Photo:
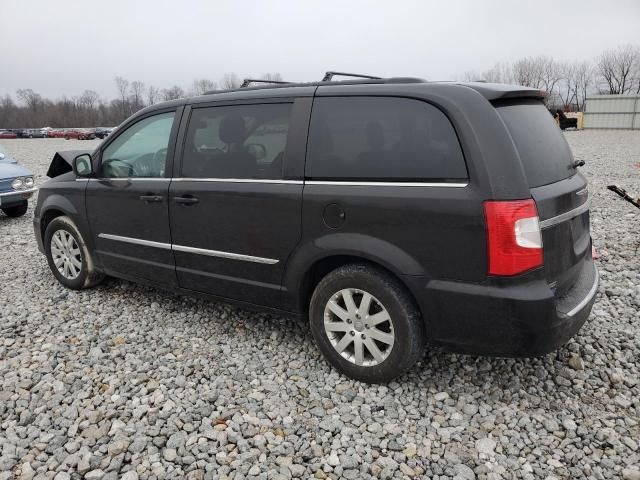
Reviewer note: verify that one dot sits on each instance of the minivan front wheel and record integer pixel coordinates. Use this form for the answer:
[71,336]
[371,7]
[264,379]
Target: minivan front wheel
[366,324]
[68,256]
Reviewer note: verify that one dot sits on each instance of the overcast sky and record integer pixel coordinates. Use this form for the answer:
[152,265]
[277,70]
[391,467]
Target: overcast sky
[62,47]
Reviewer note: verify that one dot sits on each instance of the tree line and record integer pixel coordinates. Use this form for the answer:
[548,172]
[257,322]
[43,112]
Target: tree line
[615,71]
[31,110]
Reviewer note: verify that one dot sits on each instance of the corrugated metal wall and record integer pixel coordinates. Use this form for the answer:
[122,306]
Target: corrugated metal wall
[612,111]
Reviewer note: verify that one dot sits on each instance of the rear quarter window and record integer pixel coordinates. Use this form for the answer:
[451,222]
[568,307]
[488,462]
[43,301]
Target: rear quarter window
[382,138]
[544,152]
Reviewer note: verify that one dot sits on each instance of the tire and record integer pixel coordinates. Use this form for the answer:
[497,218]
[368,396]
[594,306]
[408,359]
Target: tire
[17,211]
[78,274]
[403,333]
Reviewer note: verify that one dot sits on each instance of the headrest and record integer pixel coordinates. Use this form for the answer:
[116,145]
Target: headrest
[232,129]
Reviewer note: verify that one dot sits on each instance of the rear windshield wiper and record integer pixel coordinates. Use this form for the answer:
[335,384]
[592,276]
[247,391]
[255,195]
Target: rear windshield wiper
[576,164]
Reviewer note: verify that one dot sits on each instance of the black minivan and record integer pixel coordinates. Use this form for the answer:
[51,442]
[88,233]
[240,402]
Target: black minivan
[393,213]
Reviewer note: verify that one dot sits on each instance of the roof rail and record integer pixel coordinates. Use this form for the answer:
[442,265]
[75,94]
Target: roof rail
[248,81]
[329,75]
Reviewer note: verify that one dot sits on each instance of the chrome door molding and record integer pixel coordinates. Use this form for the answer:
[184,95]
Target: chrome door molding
[135,241]
[185,249]
[229,255]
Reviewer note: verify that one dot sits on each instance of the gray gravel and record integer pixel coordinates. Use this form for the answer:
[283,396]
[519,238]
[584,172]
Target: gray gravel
[129,382]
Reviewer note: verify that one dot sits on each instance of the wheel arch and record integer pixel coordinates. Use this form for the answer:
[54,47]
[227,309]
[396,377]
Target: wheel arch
[310,264]
[55,206]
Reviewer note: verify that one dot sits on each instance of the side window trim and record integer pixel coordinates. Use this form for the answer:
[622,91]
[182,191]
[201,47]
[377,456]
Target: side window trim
[171,146]
[391,181]
[188,115]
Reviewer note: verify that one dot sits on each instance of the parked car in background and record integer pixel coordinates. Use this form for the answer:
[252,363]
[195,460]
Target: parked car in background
[56,133]
[79,134]
[394,214]
[34,133]
[16,185]
[7,134]
[102,132]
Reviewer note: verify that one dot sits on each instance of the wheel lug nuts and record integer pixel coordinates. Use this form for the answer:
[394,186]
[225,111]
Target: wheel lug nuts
[352,333]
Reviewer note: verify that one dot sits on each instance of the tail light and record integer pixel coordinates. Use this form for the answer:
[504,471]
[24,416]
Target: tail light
[513,236]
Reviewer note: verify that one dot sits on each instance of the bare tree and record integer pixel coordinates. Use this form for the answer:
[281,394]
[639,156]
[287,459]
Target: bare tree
[499,73]
[153,94]
[202,85]
[272,77]
[229,81]
[30,98]
[123,89]
[173,93]
[583,81]
[617,69]
[137,92]
[89,99]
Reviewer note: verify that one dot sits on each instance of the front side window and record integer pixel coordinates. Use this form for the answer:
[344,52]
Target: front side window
[141,150]
[239,141]
[382,138]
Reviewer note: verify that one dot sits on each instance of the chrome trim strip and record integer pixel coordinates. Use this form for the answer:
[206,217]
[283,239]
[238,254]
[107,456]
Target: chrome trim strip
[566,215]
[590,295]
[18,192]
[388,184]
[135,241]
[216,253]
[182,248]
[239,180]
[127,179]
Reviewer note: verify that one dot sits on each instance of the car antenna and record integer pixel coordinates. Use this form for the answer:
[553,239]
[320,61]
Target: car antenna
[329,75]
[248,81]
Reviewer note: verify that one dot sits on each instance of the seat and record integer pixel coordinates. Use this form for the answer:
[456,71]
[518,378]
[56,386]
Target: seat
[236,161]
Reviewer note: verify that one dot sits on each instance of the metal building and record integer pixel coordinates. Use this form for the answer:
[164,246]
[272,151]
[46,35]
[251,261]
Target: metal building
[612,111]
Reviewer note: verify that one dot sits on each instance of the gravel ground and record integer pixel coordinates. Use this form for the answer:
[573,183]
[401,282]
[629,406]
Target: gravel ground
[129,382]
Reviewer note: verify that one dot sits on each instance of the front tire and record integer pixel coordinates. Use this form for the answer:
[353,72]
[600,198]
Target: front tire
[16,211]
[366,324]
[68,256]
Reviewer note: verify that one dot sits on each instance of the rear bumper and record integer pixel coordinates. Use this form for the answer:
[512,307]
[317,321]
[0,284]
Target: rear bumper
[523,320]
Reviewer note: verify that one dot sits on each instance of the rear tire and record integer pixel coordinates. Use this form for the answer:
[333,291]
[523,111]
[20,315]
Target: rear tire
[68,256]
[17,211]
[366,324]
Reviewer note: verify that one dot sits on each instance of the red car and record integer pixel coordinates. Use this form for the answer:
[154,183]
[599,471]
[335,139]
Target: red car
[6,134]
[80,134]
[56,133]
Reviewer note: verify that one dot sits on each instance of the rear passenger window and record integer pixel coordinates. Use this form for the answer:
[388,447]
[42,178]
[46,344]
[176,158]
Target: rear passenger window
[240,141]
[379,138]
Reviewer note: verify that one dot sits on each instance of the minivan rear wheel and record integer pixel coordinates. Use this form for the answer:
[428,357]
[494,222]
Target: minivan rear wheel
[366,324]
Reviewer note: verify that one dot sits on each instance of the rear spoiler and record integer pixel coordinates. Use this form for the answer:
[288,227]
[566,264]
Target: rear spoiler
[62,162]
[500,91]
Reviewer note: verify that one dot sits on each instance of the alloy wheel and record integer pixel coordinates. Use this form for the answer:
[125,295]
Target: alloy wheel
[65,253]
[359,327]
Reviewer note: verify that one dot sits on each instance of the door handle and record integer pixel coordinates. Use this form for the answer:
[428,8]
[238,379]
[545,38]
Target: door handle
[186,200]
[151,198]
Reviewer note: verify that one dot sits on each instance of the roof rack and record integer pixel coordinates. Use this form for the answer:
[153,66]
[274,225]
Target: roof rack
[329,75]
[248,81]
[358,80]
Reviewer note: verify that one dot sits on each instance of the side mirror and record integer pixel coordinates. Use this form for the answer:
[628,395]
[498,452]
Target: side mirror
[82,165]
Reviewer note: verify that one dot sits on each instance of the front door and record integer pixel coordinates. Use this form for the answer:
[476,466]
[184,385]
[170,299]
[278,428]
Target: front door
[127,202]
[234,209]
